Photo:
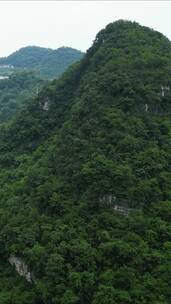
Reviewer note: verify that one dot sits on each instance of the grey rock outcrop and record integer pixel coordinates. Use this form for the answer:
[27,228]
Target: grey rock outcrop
[21,267]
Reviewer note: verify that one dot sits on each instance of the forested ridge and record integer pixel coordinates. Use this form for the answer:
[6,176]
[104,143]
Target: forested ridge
[48,63]
[85,196]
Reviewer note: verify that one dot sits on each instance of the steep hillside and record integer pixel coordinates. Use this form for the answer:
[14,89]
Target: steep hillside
[16,91]
[47,62]
[85,177]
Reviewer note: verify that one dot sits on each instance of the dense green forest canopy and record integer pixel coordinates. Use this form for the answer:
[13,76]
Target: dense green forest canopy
[46,62]
[85,195]
[16,91]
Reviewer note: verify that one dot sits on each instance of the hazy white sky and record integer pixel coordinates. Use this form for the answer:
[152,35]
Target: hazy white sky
[72,23]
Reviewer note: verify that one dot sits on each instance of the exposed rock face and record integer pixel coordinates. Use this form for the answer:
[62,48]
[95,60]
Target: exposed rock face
[21,267]
[45,104]
[146,107]
[122,209]
[164,89]
[108,199]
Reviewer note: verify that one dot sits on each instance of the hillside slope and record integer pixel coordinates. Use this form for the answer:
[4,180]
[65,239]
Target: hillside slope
[47,62]
[85,177]
[16,91]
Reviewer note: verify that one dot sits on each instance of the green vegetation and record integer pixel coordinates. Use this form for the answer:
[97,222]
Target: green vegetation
[28,69]
[46,62]
[97,138]
[16,92]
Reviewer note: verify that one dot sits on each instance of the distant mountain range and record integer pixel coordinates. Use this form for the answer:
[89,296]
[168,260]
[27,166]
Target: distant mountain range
[48,63]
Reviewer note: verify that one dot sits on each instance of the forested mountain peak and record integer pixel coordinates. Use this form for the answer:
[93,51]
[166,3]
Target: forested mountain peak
[122,33]
[85,178]
[131,58]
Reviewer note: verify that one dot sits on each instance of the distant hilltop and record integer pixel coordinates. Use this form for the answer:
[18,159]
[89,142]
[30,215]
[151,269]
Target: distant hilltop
[47,62]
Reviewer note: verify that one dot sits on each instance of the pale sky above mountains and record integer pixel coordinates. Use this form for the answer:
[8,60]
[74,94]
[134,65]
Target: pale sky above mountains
[72,23]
